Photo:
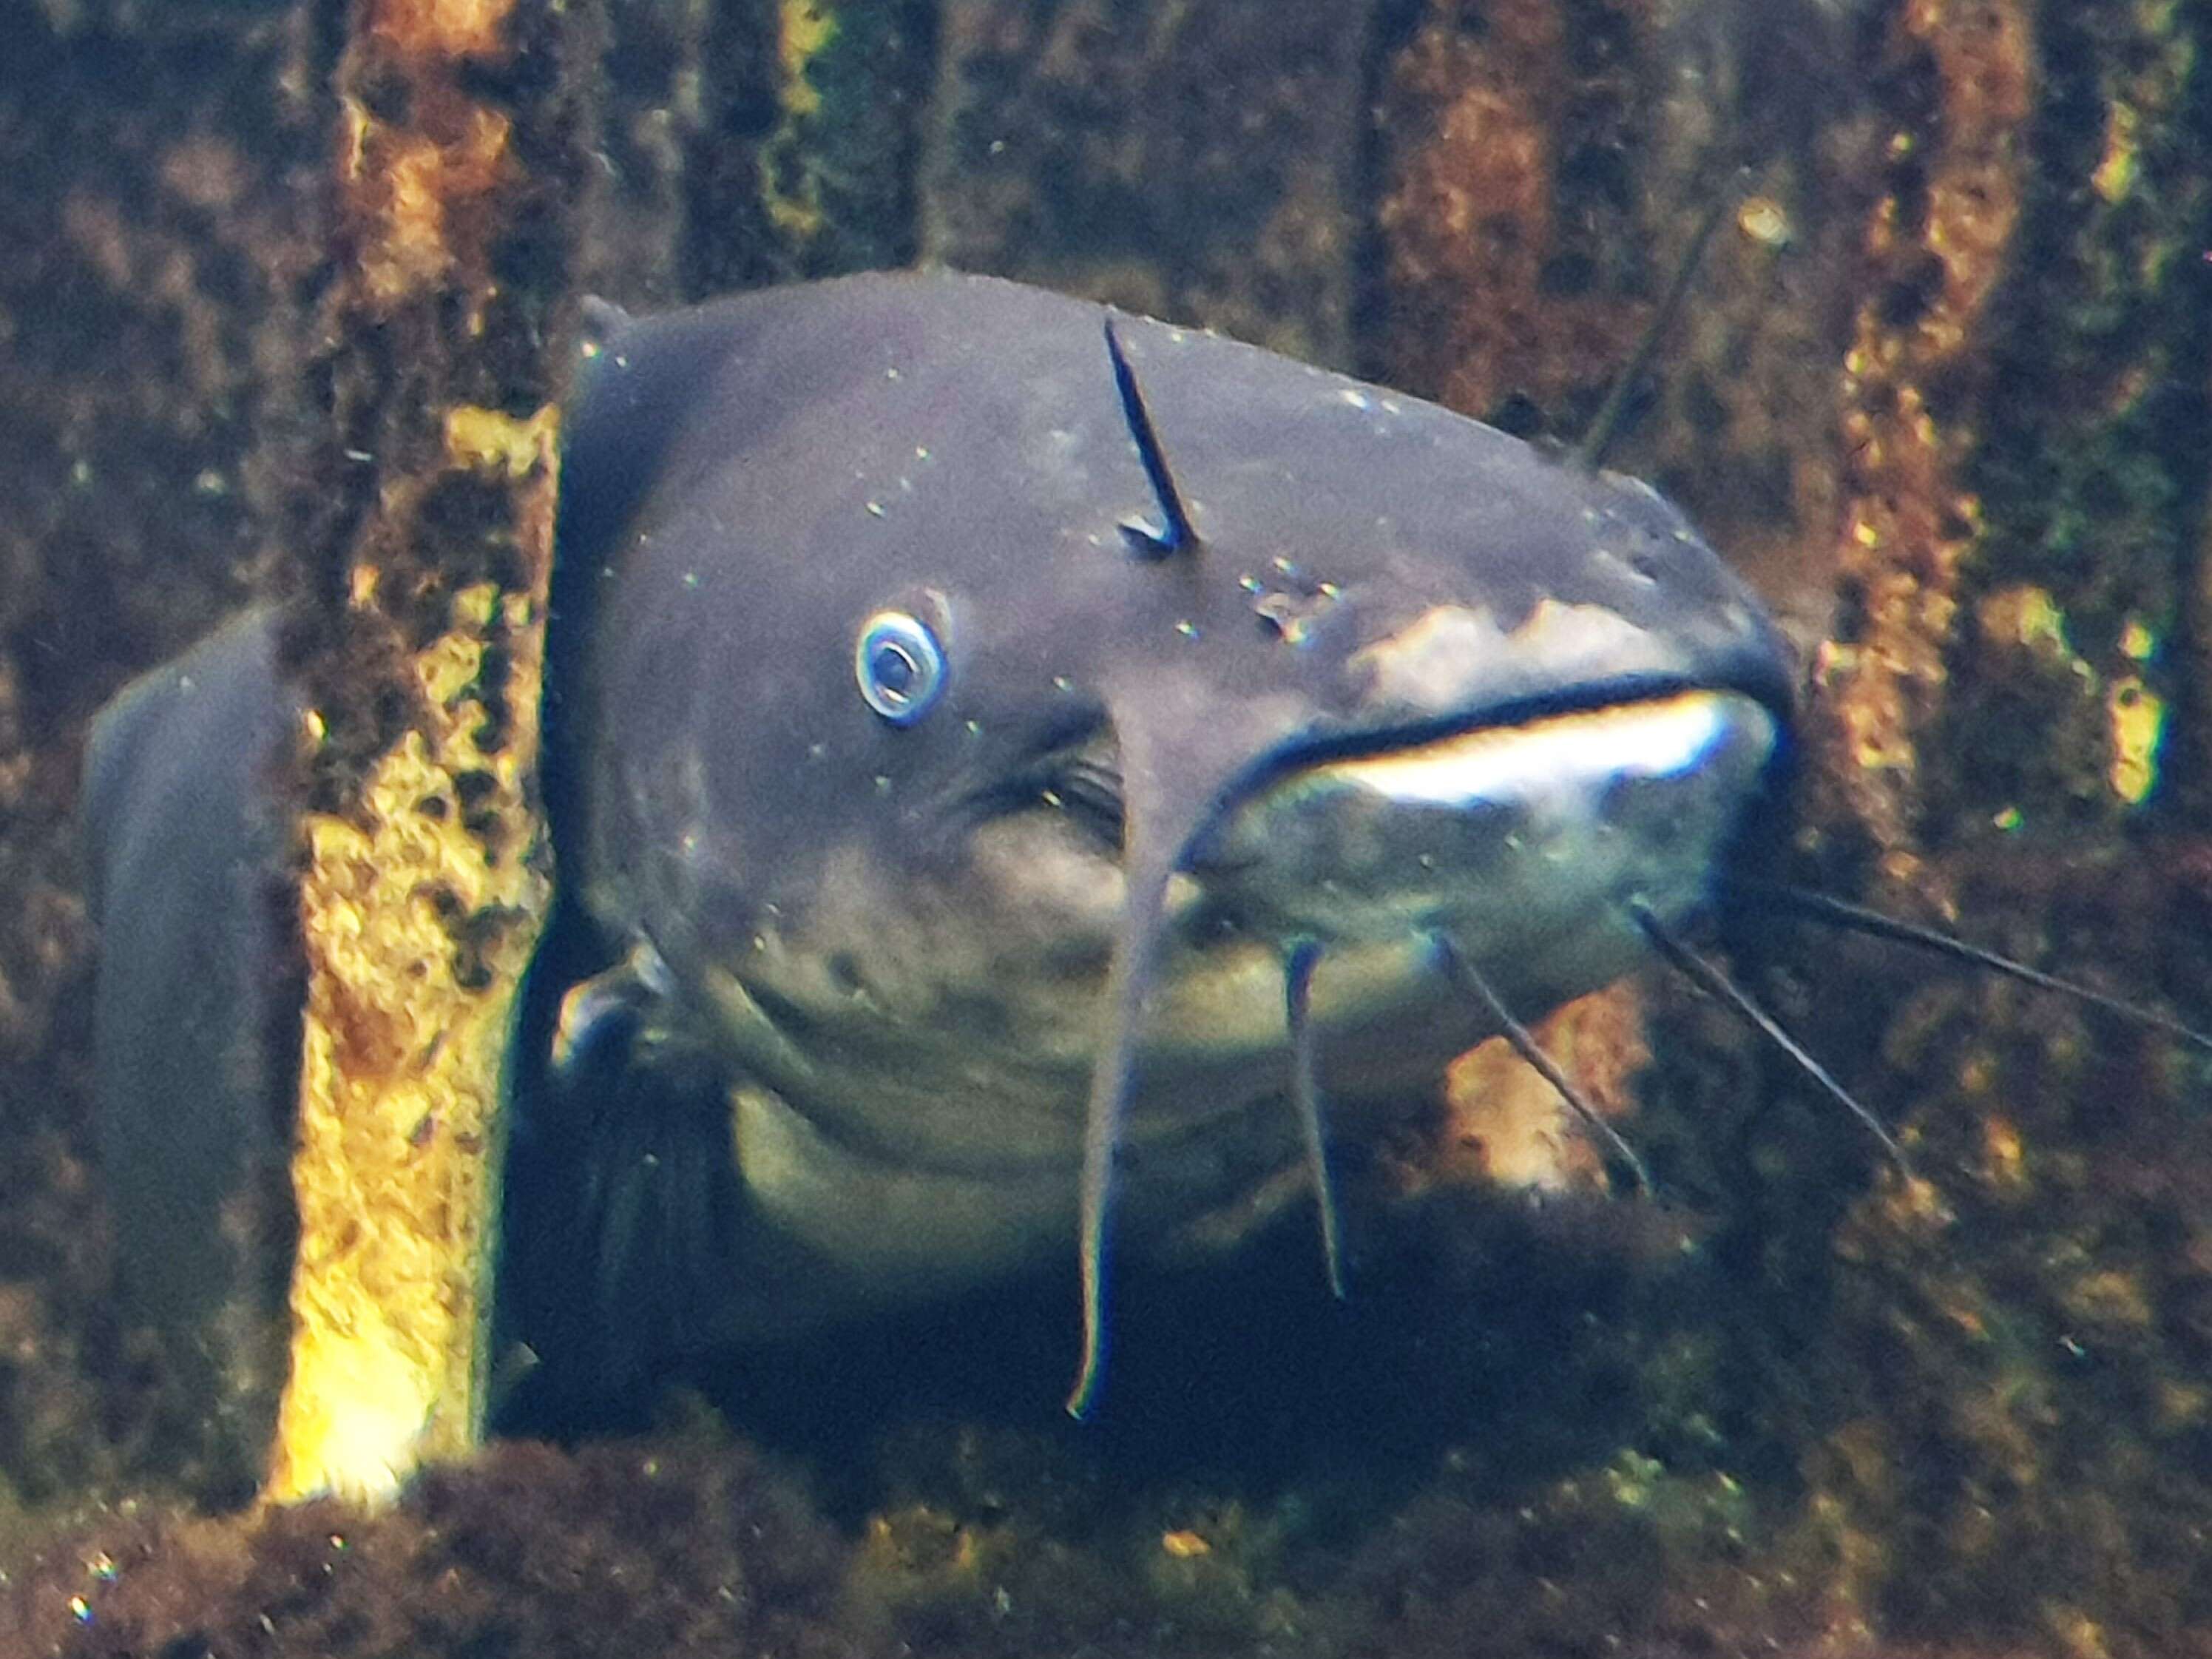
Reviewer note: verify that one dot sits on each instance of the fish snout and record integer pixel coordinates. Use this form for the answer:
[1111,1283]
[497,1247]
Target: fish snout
[1524,843]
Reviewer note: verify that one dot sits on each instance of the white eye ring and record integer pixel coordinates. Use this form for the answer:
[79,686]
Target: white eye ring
[900,666]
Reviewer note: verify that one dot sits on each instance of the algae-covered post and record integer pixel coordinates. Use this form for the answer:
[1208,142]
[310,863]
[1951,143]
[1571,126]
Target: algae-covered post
[461,162]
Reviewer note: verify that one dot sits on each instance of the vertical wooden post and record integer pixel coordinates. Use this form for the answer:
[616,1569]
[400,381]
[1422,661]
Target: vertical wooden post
[462,161]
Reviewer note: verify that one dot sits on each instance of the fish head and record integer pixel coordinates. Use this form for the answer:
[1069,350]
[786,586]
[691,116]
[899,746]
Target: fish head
[897,722]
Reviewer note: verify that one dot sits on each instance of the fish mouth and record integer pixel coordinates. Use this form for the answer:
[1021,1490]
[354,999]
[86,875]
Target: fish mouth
[1521,843]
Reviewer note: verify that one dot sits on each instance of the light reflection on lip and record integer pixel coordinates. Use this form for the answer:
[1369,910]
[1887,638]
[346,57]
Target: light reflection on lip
[1524,836]
[1666,737]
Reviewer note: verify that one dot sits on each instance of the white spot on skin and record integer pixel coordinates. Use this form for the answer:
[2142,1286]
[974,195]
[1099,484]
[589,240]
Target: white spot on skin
[1587,634]
[1452,656]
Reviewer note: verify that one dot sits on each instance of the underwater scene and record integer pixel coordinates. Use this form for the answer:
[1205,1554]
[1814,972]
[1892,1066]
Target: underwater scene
[733,920]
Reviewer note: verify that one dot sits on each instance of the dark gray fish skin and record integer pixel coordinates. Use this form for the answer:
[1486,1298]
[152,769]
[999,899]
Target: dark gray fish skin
[870,959]
[195,1012]
[902,971]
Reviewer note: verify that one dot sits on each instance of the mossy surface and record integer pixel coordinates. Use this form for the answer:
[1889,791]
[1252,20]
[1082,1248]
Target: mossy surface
[415,632]
[160,196]
[1193,161]
[1942,392]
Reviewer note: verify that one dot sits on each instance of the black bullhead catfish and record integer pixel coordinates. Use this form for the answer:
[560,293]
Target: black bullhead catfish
[1024,782]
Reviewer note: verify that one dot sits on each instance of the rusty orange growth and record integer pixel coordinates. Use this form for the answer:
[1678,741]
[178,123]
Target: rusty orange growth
[1506,1126]
[424,191]
[1911,523]
[441,28]
[1469,223]
[420,190]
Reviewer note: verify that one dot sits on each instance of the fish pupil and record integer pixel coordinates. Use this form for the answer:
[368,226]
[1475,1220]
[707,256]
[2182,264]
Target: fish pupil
[895,672]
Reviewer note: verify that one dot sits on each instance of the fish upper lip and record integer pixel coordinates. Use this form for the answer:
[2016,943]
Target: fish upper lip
[1770,693]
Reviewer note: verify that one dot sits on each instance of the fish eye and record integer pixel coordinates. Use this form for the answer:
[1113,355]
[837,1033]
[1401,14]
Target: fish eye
[900,666]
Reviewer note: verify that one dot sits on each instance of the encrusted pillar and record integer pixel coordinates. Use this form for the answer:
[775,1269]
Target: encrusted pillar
[462,166]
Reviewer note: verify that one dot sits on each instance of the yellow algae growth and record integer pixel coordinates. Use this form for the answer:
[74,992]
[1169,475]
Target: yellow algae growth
[2115,176]
[804,28]
[488,442]
[418,922]
[2138,717]
[2026,615]
[790,182]
[1913,525]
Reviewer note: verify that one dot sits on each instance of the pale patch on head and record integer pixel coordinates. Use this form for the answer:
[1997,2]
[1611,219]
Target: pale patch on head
[1434,663]
[1586,636]
[1449,657]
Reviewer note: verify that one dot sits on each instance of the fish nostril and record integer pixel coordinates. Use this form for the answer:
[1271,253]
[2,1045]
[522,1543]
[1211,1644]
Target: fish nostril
[844,971]
[1290,617]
